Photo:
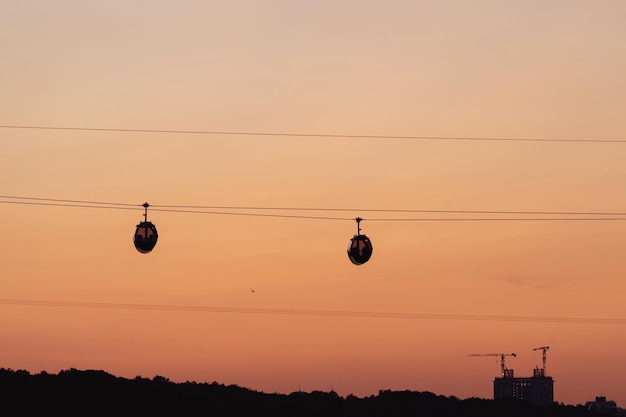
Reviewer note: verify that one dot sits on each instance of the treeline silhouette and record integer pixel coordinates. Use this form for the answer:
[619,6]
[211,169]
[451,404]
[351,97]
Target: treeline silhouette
[95,392]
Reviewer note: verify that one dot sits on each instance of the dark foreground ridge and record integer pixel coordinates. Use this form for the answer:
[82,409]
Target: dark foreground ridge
[93,392]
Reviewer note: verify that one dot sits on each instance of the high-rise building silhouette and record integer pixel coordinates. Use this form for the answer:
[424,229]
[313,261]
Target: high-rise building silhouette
[538,389]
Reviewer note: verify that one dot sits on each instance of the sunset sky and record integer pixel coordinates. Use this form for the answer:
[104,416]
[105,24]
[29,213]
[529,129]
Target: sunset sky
[371,107]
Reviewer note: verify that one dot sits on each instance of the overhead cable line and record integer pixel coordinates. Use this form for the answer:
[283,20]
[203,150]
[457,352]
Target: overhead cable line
[312,312]
[567,213]
[308,135]
[197,209]
[68,201]
[32,203]
[357,209]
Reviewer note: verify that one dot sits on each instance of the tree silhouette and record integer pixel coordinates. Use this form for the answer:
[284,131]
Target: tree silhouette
[94,393]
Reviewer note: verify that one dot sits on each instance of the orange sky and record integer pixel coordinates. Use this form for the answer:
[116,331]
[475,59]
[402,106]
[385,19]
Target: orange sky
[489,69]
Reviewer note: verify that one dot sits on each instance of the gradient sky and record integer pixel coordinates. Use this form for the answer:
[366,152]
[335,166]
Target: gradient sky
[488,69]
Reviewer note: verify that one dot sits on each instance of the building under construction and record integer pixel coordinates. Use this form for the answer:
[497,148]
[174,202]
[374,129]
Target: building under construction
[538,389]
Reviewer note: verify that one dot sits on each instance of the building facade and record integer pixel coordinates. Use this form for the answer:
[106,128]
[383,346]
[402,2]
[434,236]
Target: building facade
[538,389]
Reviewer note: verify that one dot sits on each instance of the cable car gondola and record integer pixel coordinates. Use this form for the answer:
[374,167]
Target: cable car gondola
[146,234]
[360,247]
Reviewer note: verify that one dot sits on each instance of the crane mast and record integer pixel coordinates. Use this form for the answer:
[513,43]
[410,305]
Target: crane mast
[542,371]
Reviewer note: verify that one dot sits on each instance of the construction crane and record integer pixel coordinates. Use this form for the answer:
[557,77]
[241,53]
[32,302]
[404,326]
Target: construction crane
[506,373]
[543,370]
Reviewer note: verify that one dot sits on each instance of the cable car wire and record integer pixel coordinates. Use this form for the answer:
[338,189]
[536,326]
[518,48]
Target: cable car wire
[286,216]
[567,213]
[32,203]
[68,201]
[577,213]
[313,312]
[309,135]
[212,210]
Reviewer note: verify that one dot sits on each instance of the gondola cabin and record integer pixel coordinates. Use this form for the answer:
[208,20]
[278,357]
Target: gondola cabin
[145,234]
[360,247]
[145,237]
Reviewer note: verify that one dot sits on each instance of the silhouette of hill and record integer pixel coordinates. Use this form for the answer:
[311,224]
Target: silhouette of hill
[95,393]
